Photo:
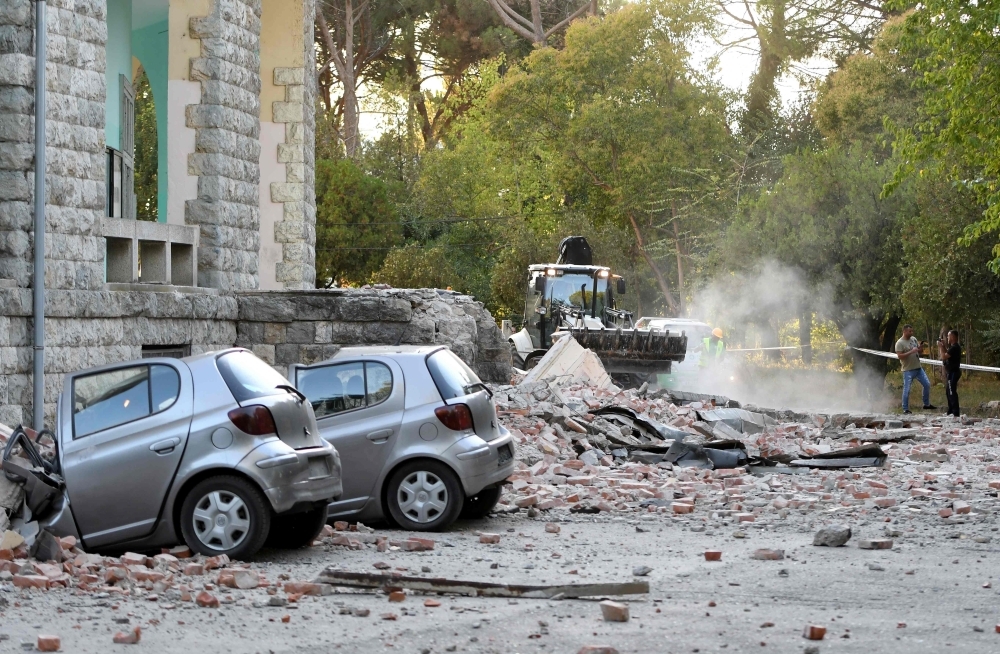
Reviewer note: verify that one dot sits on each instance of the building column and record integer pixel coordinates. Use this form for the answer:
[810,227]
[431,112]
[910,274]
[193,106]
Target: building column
[225,160]
[288,194]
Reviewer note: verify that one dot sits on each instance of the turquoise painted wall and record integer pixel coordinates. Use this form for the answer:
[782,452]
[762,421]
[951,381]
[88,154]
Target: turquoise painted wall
[150,45]
[119,62]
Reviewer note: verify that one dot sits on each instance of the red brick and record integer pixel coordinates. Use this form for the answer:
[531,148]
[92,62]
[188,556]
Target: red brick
[744,517]
[181,552]
[961,507]
[431,603]
[814,632]
[304,588]
[489,539]
[131,558]
[68,542]
[340,525]
[945,513]
[48,643]
[525,502]
[713,555]
[214,562]
[681,507]
[193,569]
[414,544]
[31,581]
[885,502]
[207,600]
[286,618]
[397,596]
[128,638]
[614,611]
[552,528]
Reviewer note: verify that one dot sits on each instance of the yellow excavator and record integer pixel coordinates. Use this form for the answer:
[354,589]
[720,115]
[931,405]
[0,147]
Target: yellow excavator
[576,297]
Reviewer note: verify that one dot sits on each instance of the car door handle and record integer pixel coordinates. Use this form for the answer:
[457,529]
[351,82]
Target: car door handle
[379,436]
[165,446]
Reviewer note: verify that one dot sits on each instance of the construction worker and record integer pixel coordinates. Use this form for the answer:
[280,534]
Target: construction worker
[713,349]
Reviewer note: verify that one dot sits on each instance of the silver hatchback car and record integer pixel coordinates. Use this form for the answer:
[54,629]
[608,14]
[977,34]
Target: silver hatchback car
[417,432]
[217,450]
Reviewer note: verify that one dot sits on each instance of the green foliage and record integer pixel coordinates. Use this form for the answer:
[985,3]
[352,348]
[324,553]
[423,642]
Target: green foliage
[957,50]
[146,150]
[356,223]
[414,266]
[619,121]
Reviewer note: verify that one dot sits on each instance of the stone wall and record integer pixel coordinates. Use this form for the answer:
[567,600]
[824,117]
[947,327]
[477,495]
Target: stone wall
[308,326]
[227,145]
[90,328]
[75,182]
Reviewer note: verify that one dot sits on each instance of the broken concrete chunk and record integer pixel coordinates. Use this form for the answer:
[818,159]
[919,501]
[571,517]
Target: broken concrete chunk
[614,611]
[11,540]
[768,555]
[641,570]
[832,536]
[47,547]
[11,495]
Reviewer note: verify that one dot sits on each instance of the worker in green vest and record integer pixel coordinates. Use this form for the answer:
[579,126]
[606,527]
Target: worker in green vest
[713,349]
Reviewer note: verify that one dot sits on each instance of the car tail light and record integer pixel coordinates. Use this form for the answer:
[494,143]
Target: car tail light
[456,417]
[254,420]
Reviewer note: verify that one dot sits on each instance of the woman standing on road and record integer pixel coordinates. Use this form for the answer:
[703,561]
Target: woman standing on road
[951,355]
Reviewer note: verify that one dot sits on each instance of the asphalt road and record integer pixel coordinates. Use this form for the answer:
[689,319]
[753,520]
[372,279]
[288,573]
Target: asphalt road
[932,581]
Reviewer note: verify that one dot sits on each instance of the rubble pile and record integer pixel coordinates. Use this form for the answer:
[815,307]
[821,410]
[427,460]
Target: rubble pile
[587,449]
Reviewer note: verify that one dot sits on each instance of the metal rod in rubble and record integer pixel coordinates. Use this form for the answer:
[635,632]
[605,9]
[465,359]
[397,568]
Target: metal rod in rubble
[38,283]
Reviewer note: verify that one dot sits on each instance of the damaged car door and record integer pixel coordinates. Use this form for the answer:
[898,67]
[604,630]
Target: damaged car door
[122,436]
[359,409]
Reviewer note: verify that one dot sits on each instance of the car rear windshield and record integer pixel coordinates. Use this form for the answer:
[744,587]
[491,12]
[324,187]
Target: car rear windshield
[248,377]
[451,376]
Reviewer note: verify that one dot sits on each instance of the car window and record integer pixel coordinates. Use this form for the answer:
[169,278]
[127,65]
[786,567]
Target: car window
[342,387]
[248,377]
[165,387]
[379,382]
[450,374]
[108,399]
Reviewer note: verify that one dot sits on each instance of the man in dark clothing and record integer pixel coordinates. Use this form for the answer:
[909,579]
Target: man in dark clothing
[951,355]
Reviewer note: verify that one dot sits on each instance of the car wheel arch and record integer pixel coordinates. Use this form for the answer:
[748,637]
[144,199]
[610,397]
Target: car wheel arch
[197,478]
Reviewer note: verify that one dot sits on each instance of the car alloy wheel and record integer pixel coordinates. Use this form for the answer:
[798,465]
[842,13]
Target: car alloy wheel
[225,515]
[424,495]
[221,520]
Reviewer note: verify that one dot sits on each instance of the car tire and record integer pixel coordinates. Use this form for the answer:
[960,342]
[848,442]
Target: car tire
[297,530]
[240,502]
[532,361]
[424,495]
[479,505]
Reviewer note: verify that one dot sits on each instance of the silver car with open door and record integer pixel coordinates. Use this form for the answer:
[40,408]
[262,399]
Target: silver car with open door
[217,450]
[417,432]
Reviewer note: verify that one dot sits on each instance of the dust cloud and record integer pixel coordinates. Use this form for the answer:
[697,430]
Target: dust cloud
[753,308]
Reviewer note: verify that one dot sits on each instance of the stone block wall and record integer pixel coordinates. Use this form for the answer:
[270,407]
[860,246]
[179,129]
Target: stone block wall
[75,182]
[227,145]
[90,328]
[285,327]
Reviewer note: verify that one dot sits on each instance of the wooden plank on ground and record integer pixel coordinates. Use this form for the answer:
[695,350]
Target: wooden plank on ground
[395,581]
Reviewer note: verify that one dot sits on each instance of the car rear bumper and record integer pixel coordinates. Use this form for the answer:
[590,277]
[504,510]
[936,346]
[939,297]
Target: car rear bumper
[292,479]
[477,462]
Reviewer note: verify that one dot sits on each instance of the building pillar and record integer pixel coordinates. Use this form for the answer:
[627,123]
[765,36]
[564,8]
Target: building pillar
[288,195]
[225,160]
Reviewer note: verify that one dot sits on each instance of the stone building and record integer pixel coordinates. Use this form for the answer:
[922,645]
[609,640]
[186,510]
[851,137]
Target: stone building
[230,258]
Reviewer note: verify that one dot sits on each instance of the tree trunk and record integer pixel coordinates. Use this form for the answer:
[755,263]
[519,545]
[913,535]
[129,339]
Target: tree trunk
[805,336]
[352,129]
[762,89]
[680,261]
[873,334]
[660,279]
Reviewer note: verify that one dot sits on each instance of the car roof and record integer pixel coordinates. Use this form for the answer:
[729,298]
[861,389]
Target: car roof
[386,350]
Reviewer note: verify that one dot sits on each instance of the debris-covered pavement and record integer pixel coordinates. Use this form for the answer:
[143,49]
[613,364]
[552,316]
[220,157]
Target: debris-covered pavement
[750,529]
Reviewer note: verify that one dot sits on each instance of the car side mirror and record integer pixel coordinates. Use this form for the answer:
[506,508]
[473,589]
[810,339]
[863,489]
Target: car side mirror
[540,284]
[620,286]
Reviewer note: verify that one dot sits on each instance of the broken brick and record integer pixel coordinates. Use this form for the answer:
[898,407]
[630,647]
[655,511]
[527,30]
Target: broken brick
[614,611]
[207,600]
[48,643]
[397,596]
[489,539]
[768,555]
[875,544]
[128,638]
[814,632]
[713,555]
